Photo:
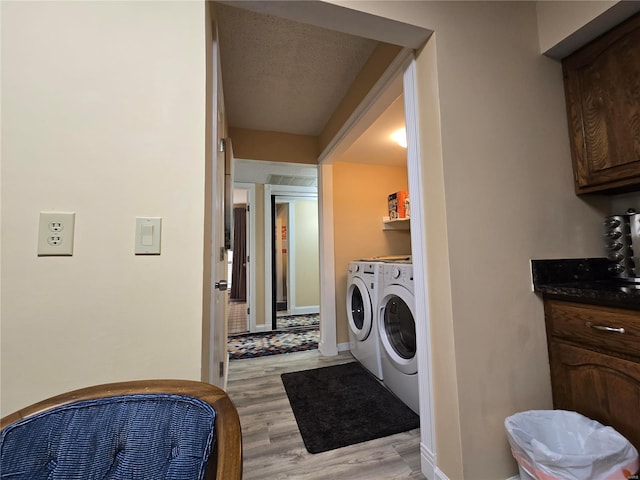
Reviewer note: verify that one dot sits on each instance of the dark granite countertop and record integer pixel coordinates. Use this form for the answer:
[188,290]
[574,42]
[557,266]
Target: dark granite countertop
[585,280]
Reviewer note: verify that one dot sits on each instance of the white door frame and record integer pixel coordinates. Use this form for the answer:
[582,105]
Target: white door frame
[420,275]
[251,252]
[218,358]
[328,344]
[402,69]
[269,191]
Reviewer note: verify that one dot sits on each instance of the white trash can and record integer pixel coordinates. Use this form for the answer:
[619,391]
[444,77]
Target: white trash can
[563,445]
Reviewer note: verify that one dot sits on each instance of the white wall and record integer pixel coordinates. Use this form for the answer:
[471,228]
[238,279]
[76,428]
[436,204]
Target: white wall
[103,114]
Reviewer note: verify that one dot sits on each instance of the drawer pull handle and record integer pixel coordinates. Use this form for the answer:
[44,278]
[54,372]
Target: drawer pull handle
[604,328]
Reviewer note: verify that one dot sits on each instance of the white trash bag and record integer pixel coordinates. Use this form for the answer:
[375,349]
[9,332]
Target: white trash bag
[563,445]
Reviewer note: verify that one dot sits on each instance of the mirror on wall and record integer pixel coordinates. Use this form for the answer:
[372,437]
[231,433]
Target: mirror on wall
[294,257]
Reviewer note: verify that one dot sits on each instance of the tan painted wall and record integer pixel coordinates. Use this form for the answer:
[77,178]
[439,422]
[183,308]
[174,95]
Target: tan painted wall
[506,190]
[307,252]
[205,373]
[360,201]
[274,146]
[443,354]
[558,20]
[93,122]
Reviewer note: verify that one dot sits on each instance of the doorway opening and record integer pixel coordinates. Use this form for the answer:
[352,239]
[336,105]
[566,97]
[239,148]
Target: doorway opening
[241,261]
[288,283]
[329,336]
[295,271]
[238,264]
[295,187]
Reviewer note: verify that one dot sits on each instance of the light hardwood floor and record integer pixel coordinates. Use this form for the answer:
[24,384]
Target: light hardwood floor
[272,445]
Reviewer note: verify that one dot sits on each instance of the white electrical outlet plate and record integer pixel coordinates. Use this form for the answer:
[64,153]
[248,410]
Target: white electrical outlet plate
[55,233]
[148,230]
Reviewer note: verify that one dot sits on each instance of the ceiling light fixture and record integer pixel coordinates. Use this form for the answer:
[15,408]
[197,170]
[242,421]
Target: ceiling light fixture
[400,137]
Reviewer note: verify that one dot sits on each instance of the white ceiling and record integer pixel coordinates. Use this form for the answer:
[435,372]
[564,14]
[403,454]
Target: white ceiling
[375,146]
[282,75]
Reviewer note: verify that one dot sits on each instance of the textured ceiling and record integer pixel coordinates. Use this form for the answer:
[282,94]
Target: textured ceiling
[282,75]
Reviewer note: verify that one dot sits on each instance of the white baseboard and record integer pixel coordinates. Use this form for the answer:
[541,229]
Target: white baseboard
[304,310]
[428,464]
[440,475]
[327,350]
[430,470]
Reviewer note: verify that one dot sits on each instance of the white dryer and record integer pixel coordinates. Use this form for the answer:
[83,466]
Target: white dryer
[397,329]
[362,302]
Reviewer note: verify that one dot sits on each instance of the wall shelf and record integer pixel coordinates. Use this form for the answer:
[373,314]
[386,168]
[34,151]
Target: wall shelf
[396,223]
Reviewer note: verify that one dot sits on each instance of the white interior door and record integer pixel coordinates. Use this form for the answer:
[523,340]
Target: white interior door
[218,325]
[219,271]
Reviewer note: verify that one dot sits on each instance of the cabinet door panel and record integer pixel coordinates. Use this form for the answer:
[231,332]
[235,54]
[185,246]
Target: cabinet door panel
[611,85]
[602,86]
[601,387]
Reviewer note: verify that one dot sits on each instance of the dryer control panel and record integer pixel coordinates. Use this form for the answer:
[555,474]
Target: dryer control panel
[400,274]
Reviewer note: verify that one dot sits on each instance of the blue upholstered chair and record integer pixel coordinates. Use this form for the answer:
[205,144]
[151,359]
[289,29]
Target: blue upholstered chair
[144,430]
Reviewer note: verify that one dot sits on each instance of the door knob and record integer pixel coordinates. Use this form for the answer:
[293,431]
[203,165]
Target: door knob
[221,285]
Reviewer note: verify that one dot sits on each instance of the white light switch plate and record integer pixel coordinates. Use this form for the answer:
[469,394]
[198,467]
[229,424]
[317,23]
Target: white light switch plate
[148,234]
[55,233]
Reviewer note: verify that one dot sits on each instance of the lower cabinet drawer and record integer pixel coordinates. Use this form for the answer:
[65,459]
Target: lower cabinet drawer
[615,330]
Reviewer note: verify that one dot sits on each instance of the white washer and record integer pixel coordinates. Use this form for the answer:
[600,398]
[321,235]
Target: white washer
[362,302]
[397,330]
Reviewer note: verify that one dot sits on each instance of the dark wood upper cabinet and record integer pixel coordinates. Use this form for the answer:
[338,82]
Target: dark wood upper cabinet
[602,90]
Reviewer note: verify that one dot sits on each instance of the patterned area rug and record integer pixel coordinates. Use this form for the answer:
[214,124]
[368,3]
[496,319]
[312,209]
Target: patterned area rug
[293,321]
[273,343]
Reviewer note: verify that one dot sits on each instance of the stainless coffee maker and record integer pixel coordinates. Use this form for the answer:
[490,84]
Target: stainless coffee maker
[622,234]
